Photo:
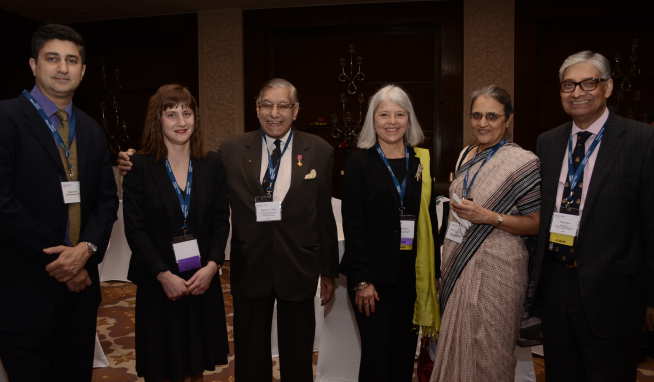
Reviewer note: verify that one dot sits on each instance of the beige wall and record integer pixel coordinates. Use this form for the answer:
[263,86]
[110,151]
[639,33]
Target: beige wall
[220,45]
[488,49]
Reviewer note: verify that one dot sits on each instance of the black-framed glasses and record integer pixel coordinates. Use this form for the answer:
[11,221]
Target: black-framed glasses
[589,84]
[281,107]
[490,116]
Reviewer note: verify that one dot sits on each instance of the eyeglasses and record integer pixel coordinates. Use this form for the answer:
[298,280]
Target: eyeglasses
[281,107]
[586,85]
[490,116]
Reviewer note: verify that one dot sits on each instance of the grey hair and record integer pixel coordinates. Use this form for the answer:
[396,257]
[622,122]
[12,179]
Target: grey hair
[596,59]
[498,94]
[278,83]
[395,94]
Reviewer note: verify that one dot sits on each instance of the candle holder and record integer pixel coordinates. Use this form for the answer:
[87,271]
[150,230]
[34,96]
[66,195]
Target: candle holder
[348,119]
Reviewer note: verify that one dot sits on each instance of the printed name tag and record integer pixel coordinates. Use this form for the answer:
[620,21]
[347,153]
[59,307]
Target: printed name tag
[267,209]
[457,227]
[564,228]
[71,191]
[455,231]
[407,232]
[187,253]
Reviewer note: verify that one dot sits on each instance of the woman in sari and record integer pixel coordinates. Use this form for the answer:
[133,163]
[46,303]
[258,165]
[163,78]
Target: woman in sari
[495,198]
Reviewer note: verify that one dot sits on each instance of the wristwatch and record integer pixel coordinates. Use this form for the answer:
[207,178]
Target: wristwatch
[499,220]
[93,249]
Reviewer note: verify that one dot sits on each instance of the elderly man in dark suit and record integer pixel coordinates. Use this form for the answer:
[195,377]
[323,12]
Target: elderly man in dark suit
[596,239]
[57,207]
[283,236]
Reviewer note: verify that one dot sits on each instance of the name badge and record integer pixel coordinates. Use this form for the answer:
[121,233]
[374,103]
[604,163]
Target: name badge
[564,228]
[407,232]
[267,210]
[457,227]
[71,192]
[455,231]
[187,253]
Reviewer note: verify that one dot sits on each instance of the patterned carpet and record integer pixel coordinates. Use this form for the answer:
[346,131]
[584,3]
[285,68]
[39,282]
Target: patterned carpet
[116,333]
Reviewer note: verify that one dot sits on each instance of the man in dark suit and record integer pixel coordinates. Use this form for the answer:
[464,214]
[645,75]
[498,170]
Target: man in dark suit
[283,237]
[57,207]
[596,240]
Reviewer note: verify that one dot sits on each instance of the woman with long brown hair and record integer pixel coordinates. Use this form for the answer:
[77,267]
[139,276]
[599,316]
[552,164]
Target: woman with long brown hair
[176,223]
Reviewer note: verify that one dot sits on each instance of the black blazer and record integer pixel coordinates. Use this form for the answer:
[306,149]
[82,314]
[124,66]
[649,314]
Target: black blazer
[615,244]
[284,257]
[153,216]
[33,215]
[371,218]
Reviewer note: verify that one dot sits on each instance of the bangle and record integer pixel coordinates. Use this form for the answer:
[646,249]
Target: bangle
[361,285]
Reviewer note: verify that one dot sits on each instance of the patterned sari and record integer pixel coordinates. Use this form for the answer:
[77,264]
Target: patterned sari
[484,278]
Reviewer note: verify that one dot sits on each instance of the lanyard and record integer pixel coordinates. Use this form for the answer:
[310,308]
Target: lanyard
[72,127]
[401,188]
[467,186]
[184,199]
[272,169]
[573,179]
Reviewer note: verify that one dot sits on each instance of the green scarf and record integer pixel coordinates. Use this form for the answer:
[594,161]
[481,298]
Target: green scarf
[425,313]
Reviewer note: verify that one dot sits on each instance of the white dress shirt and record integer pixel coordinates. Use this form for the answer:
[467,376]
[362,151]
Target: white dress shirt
[283,181]
[594,129]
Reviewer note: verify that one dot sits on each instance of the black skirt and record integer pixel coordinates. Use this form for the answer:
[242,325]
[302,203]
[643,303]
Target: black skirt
[177,339]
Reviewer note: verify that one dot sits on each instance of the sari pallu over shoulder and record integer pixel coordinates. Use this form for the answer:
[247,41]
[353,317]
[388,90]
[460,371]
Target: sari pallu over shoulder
[523,178]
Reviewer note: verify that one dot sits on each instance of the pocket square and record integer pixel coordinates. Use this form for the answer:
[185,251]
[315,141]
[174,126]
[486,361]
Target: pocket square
[311,174]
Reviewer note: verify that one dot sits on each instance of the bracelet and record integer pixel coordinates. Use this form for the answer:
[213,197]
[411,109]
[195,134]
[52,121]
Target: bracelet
[499,220]
[361,285]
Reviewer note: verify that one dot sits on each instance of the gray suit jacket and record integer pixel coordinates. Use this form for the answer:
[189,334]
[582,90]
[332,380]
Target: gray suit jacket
[285,257]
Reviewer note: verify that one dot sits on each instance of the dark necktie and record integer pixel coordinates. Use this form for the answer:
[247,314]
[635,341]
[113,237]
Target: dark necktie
[275,158]
[564,252]
[571,199]
[74,209]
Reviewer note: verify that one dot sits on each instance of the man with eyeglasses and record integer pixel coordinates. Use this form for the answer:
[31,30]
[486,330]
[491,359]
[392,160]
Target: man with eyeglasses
[596,239]
[283,236]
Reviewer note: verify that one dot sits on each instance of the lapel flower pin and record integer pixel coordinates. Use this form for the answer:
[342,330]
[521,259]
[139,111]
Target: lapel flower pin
[299,160]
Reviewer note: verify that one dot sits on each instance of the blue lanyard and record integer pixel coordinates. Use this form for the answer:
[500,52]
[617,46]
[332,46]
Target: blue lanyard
[467,186]
[72,128]
[274,170]
[184,199]
[573,179]
[401,188]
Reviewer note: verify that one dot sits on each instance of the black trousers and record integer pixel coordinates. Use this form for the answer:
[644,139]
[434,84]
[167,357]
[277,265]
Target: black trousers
[296,324]
[388,338]
[64,352]
[572,352]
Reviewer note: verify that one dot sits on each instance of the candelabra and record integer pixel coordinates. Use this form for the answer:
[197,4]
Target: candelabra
[349,117]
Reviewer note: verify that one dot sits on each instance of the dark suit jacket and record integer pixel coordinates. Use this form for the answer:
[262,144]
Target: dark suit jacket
[615,244]
[286,257]
[153,216]
[371,218]
[33,215]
